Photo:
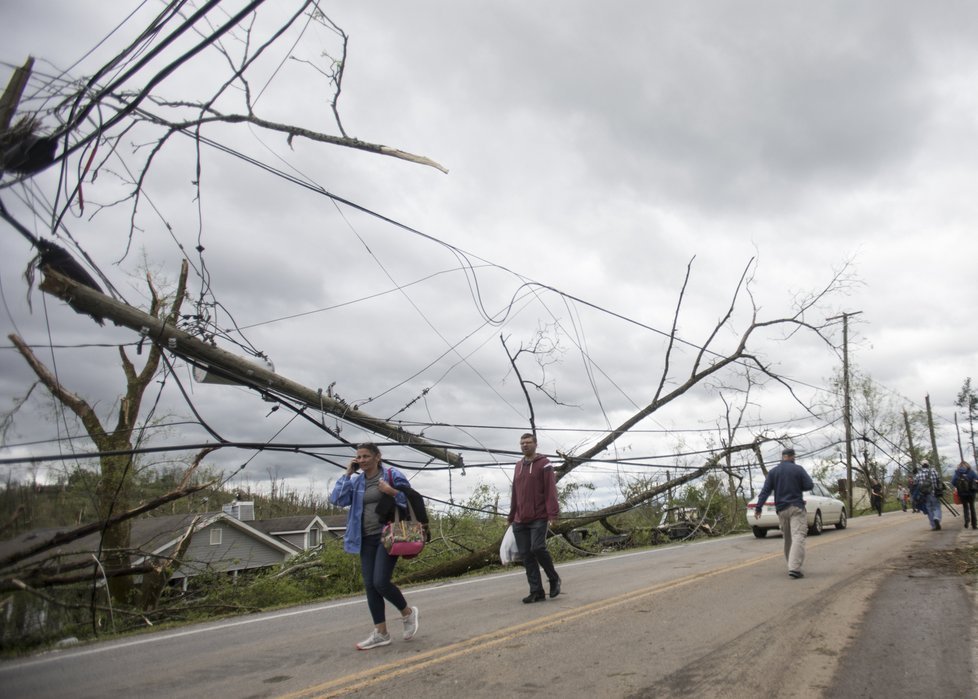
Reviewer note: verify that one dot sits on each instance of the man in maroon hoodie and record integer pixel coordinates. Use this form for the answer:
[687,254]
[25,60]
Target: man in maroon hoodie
[532,508]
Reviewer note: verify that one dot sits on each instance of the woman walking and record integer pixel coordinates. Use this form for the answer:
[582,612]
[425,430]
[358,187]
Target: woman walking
[369,494]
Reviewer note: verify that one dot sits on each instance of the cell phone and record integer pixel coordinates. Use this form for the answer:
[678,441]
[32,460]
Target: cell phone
[356,466]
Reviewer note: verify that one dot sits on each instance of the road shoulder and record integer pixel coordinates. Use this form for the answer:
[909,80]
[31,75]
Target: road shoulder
[918,630]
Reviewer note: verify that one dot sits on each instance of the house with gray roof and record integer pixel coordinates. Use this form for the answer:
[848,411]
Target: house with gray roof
[230,541]
[302,532]
[219,542]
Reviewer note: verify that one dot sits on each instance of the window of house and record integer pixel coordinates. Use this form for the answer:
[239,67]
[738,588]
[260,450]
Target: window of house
[313,537]
[216,534]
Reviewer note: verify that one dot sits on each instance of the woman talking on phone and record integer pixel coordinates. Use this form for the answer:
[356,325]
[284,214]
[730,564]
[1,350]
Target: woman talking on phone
[369,494]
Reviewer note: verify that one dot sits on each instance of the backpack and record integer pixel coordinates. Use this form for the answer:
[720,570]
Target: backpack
[963,485]
[924,485]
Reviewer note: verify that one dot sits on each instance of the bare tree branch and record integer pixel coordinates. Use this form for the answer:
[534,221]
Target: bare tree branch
[672,335]
[541,348]
[698,373]
[519,377]
[16,584]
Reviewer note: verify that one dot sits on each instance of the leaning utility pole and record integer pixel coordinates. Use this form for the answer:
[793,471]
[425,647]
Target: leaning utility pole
[935,459]
[958,431]
[85,299]
[847,405]
[15,89]
[910,448]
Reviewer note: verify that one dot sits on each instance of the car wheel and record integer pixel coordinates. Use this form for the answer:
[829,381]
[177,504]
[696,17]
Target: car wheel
[816,527]
[759,532]
[841,524]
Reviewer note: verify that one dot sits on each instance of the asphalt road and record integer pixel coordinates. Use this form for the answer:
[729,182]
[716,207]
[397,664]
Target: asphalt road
[713,617]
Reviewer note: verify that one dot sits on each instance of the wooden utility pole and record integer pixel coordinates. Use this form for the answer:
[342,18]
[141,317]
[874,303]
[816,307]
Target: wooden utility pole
[11,96]
[847,404]
[913,453]
[84,299]
[958,431]
[935,459]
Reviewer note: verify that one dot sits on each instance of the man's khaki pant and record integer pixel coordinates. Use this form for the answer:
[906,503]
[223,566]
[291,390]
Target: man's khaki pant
[794,528]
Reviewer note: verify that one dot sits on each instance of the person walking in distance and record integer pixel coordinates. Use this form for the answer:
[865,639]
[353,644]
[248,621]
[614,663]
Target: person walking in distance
[912,489]
[876,497]
[532,509]
[965,481]
[788,481]
[929,490]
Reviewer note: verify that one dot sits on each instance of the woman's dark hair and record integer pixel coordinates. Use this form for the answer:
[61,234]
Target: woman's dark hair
[371,447]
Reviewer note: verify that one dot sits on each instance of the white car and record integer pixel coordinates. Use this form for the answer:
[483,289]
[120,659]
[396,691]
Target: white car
[822,507]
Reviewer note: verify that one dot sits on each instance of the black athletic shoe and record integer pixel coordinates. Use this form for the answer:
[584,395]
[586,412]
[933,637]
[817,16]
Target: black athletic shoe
[554,587]
[796,574]
[535,597]
[937,524]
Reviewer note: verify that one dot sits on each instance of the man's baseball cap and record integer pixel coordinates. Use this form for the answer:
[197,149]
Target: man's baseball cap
[788,451]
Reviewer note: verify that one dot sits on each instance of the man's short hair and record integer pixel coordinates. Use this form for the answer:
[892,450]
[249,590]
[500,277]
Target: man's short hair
[788,451]
[528,435]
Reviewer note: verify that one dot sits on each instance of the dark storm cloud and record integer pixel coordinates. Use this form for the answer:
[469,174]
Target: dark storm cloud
[594,148]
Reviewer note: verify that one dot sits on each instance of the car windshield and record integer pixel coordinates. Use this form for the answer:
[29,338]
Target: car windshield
[821,490]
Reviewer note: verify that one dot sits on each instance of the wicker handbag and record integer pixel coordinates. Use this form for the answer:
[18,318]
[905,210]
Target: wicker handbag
[403,537]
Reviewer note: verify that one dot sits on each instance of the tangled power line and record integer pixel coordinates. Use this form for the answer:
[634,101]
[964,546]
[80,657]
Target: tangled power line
[86,111]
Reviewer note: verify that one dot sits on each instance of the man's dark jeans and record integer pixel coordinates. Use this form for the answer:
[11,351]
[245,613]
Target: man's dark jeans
[968,505]
[531,540]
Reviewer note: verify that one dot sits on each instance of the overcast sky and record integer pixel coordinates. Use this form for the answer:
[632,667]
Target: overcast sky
[594,151]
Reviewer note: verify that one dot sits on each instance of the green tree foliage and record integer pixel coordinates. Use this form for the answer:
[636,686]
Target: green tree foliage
[575,496]
[314,575]
[709,496]
[880,441]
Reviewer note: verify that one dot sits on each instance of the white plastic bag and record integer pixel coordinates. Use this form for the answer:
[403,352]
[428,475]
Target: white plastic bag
[508,551]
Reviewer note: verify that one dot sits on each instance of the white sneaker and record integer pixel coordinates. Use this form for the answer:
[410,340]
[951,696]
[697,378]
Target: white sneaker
[410,624]
[375,639]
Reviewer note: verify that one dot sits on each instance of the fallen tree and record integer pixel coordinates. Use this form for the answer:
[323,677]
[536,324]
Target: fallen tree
[490,555]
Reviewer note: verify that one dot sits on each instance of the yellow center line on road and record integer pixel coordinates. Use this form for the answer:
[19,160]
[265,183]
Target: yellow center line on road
[405,666]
